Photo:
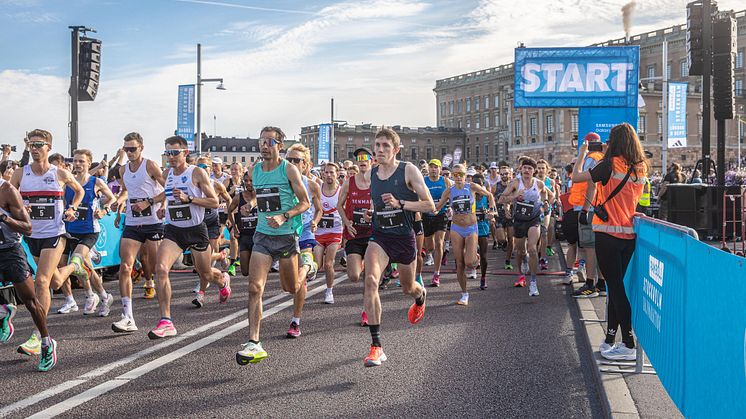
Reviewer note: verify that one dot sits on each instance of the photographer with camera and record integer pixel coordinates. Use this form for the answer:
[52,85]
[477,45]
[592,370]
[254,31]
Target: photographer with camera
[619,178]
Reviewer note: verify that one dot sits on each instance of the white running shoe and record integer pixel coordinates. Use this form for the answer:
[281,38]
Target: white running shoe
[620,352]
[91,303]
[464,300]
[568,279]
[429,261]
[604,347]
[472,274]
[533,290]
[329,296]
[105,308]
[68,307]
[196,287]
[125,325]
[276,266]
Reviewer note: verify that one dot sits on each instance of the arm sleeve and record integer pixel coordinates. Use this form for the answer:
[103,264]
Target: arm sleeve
[601,173]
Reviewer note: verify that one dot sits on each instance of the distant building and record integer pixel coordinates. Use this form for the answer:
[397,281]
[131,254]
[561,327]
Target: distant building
[417,143]
[481,103]
[233,149]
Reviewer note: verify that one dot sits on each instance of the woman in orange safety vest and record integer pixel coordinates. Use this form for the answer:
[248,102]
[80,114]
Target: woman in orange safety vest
[615,236]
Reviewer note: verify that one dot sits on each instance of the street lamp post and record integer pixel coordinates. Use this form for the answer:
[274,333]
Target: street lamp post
[200,80]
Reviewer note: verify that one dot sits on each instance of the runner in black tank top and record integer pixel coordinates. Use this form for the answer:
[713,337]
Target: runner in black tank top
[242,219]
[397,191]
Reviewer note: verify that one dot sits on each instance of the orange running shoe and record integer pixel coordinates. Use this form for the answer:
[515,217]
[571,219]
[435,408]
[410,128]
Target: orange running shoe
[149,293]
[416,313]
[375,357]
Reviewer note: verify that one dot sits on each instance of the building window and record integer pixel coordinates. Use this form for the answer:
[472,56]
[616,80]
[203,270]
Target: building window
[739,59]
[450,107]
[443,151]
[668,71]
[468,153]
[414,153]
[366,139]
[233,148]
[429,153]
[477,121]
[486,121]
[651,71]
[642,124]
[253,148]
[459,123]
[442,109]
[741,130]
[476,103]
[468,123]
[517,127]
[739,87]
[574,122]
[497,101]
[413,141]
[549,123]
[349,139]
[243,159]
[532,125]
[214,148]
[222,148]
[660,123]
[468,105]
[460,105]
[497,120]
[243,148]
[234,159]
[476,152]
[486,151]
[486,102]
[225,158]
[684,66]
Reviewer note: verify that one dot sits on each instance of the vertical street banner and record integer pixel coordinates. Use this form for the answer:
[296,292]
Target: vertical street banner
[602,120]
[324,143]
[185,114]
[676,114]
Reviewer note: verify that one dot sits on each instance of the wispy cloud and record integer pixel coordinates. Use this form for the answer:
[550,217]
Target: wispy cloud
[33,17]
[243,6]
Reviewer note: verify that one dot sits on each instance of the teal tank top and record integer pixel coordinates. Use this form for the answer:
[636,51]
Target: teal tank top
[274,195]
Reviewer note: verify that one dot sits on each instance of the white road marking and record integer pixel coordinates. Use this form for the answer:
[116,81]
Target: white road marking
[125,378]
[67,385]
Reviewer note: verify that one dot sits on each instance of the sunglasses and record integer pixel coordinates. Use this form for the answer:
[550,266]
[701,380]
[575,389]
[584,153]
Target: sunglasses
[173,152]
[458,174]
[363,157]
[294,160]
[37,144]
[129,149]
[269,142]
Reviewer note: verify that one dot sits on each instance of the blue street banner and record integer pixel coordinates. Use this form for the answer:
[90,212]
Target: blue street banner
[324,143]
[693,333]
[576,77]
[602,120]
[185,114]
[677,114]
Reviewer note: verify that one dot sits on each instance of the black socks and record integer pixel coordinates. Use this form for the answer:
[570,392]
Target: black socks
[375,334]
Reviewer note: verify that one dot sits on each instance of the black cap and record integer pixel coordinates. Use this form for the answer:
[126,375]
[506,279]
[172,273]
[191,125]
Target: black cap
[362,149]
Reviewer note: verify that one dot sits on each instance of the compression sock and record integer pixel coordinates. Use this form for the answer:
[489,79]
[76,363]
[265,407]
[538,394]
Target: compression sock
[375,334]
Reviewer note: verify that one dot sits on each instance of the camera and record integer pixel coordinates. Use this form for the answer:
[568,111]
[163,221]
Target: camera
[12,147]
[595,146]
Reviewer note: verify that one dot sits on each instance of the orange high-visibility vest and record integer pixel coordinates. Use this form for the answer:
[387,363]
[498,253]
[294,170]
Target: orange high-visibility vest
[622,206]
[577,190]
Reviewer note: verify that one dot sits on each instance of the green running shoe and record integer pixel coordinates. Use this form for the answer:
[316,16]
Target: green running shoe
[48,358]
[31,347]
[6,322]
[550,251]
[232,270]
[252,353]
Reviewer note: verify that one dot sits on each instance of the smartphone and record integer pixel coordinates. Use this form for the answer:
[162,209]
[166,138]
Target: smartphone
[106,157]
[595,146]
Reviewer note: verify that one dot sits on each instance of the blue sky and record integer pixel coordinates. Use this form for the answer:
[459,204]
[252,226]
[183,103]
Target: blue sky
[281,60]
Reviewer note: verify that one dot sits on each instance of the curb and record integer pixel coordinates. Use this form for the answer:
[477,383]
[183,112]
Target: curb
[617,400]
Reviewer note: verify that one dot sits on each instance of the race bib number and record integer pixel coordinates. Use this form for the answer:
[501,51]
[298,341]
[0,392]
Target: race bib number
[147,212]
[358,218]
[388,217]
[42,207]
[268,199]
[249,223]
[179,212]
[327,221]
[461,204]
[524,211]
[82,213]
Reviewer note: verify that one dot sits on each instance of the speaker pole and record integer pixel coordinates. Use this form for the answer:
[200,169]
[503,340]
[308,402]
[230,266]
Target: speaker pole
[721,152]
[74,85]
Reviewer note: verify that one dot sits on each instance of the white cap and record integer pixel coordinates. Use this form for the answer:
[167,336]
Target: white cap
[217,160]
[493,165]
[471,172]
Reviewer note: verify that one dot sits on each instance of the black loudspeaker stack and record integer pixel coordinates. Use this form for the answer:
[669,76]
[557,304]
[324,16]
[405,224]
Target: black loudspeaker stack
[701,208]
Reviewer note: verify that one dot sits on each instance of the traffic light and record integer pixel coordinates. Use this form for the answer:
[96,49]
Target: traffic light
[695,51]
[724,62]
[89,61]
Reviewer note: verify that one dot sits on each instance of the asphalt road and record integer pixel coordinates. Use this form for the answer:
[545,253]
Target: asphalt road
[505,355]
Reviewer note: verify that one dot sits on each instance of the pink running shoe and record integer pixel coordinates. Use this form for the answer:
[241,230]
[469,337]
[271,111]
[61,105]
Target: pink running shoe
[436,280]
[225,292]
[165,328]
[364,320]
[293,331]
[521,282]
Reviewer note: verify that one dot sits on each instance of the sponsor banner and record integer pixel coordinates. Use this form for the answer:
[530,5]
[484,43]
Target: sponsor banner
[602,120]
[185,114]
[576,77]
[324,143]
[677,114]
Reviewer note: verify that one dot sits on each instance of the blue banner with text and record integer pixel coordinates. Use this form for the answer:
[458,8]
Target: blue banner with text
[602,120]
[185,114]
[324,143]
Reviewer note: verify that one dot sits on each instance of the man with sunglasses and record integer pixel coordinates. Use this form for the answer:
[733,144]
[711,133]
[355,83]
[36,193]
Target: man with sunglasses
[397,192]
[188,191]
[281,199]
[503,220]
[354,202]
[142,193]
[42,186]
[435,225]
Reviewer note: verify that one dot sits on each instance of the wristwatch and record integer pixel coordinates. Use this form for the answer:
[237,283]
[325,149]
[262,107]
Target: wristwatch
[286,215]
[190,199]
[150,201]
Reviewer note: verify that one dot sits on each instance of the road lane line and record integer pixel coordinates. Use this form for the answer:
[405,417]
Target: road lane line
[125,378]
[67,385]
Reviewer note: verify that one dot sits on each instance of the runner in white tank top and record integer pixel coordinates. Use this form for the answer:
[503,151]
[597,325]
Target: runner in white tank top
[188,191]
[329,229]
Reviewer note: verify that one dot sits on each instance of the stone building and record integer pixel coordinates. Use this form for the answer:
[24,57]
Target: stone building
[480,103]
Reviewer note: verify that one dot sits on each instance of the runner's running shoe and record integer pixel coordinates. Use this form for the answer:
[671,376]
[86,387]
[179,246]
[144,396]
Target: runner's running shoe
[494,245]
[329,296]
[464,300]
[620,352]
[81,271]
[8,311]
[165,328]
[196,287]
[31,347]
[429,261]
[149,293]
[105,308]
[384,283]
[533,290]
[436,280]
[68,307]
[343,261]
[550,251]
[364,320]
[306,259]
[521,282]
[472,274]
[585,292]
[91,303]
[417,312]
[375,357]
[199,300]
[124,325]
[48,358]
[252,353]
[293,331]
[483,284]
[543,264]
[225,292]
[232,269]
[508,267]
[568,279]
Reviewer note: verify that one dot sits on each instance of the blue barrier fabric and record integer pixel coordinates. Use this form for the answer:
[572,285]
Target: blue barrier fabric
[687,312]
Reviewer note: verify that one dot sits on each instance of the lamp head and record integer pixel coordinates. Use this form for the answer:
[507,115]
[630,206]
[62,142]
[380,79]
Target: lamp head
[220,86]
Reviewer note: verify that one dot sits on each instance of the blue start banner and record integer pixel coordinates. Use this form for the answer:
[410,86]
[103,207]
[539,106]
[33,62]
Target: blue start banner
[576,77]
[693,332]
[324,142]
[602,120]
[185,114]
[677,114]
